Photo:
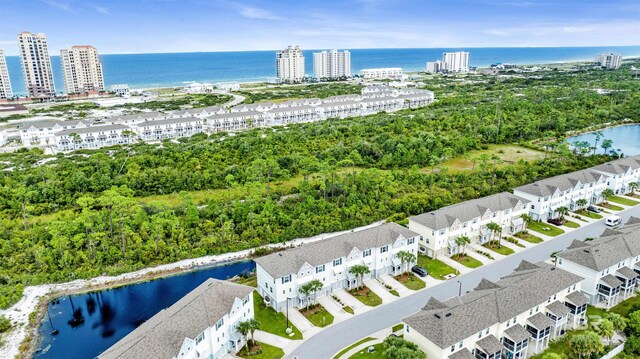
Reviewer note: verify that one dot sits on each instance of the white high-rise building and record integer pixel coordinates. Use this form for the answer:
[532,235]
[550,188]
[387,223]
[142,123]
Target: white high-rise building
[290,64]
[36,65]
[456,61]
[82,69]
[332,64]
[610,61]
[435,66]
[5,82]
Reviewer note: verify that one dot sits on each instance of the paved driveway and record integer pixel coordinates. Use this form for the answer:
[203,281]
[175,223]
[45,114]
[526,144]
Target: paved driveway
[328,342]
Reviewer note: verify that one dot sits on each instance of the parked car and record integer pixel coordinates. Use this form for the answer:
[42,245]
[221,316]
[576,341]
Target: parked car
[556,221]
[420,271]
[593,209]
[613,221]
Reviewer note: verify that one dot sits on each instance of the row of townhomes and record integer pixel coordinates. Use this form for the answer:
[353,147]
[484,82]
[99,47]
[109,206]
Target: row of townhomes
[150,126]
[610,264]
[280,275]
[515,317]
[439,229]
[200,325]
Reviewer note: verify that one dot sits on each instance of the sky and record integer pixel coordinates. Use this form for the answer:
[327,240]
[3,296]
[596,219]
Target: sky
[157,26]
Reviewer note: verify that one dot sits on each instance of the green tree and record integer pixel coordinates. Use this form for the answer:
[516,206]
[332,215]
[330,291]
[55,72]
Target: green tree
[581,203]
[406,258]
[552,356]
[359,271]
[586,344]
[462,242]
[495,229]
[398,348]
[634,187]
[310,288]
[606,194]
[526,218]
[244,327]
[253,326]
[633,324]
[605,329]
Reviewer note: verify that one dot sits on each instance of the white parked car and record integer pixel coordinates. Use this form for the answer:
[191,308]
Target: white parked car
[613,221]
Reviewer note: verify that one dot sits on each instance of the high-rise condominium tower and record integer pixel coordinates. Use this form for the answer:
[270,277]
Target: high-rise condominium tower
[456,61]
[332,64]
[36,65]
[5,82]
[82,69]
[290,64]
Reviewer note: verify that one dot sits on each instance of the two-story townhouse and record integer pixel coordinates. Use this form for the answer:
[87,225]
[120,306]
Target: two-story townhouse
[547,195]
[340,98]
[379,104]
[169,128]
[93,137]
[136,118]
[609,264]
[340,109]
[514,317]
[439,229]
[202,112]
[200,325]
[300,102]
[260,107]
[41,133]
[287,115]
[235,121]
[417,99]
[280,275]
[621,173]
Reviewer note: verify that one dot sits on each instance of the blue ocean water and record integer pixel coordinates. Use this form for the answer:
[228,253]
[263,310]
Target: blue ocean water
[161,70]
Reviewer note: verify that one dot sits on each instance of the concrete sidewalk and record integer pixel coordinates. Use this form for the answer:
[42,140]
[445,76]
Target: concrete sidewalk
[378,338]
[346,298]
[393,283]
[455,265]
[271,339]
[481,257]
[333,308]
[380,290]
[303,324]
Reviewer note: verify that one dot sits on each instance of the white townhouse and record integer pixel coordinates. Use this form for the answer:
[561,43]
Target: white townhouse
[300,102]
[203,324]
[439,229]
[379,104]
[562,191]
[621,173]
[382,73]
[259,107]
[235,121]
[341,98]
[514,317]
[203,112]
[136,118]
[373,91]
[41,133]
[418,99]
[287,115]
[280,275]
[93,137]
[340,109]
[4,136]
[609,264]
[169,128]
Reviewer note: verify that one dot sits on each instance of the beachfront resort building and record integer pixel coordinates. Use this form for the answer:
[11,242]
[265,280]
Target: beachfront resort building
[547,195]
[621,173]
[382,73]
[290,65]
[121,90]
[42,133]
[93,137]
[439,229]
[515,317]
[82,70]
[332,64]
[609,265]
[281,274]
[610,61]
[203,324]
[5,82]
[169,128]
[36,65]
[434,67]
[456,61]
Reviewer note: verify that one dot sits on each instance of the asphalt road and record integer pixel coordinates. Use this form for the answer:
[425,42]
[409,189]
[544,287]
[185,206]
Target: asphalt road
[331,340]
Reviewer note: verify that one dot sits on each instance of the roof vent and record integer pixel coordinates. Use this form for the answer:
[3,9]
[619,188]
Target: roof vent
[447,315]
[280,254]
[437,315]
[586,251]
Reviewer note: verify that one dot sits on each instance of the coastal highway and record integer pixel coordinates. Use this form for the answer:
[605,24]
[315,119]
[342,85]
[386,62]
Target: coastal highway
[328,342]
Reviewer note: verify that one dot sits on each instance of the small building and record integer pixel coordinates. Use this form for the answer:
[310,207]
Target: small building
[379,104]
[229,86]
[121,90]
[200,325]
[382,73]
[340,109]
[197,88]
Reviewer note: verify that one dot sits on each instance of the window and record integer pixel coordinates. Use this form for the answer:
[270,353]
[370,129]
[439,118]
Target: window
[219,324]
[442,231]
[453,348]
[245,300]
[337,262]
[366,253]
[460,344]
[384,249]
[411,241]
[320,269]
[199,338]
[286,279]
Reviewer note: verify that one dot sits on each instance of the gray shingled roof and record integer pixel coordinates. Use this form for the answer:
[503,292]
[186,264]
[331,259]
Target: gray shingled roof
[463,353]
[168,121]
[224,116]
[558,309]
[606,251]
[91,129]
[548,187]
[577,298]
[517,292]
[517,333]
[324,251]
[445,217]
[144,115]
[540,321]
[627,273]
[619,166]
[489,344]
[162,335]
[291,109]
[611,281]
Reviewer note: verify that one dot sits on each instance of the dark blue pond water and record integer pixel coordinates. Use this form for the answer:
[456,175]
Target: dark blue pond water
[88,324]
[626,139]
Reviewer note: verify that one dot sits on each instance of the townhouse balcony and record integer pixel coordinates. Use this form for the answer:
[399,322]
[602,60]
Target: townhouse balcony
[539,327]
[488,347]
[608,290]
[577,304]
[559,313]
[515,342]
[629,279]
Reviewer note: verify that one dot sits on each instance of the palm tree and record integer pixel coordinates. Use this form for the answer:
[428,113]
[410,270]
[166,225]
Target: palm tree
[526,218]
[634,187]
[253,326]
[463,241]
[405,257]
[359,270]
[606,194]
[316,286]
[306,289]
[562,211]
[244,327]
[619,323]
[495,228]
[581,203]
[605,329]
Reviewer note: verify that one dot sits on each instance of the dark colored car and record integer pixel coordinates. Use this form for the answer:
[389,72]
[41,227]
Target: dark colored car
[593,209]
[419,271]
[556,221]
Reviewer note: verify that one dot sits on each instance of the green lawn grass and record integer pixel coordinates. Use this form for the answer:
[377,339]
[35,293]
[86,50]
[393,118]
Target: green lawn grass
[622,200]
[410,281]
[394,292]
[397,327]
[625,307]
[341,353]
[436,268]
[251,280]
[560,347]
[366,296]
[528,237]
[571,224]
[377,354]
[586,213]
[468,261]
[545,228]
[272,321]
[318,316]
[268,352]
[348,309]
[504,250]
[610,206]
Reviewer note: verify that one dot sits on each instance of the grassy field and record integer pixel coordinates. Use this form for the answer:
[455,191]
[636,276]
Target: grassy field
[251,281]
[341,353]
[436,268]
[585,213]
[528,237]
[410,281]
[624,201]
[272,321]
[318,316]
[366,296]
[507,153]
[268,352]
[545,228]
[504,250]
[377,354]
[468,261]
[560,347]
[571,224]
[625,307]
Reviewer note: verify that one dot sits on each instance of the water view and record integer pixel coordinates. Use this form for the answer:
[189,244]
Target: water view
[626,139]
[90,323]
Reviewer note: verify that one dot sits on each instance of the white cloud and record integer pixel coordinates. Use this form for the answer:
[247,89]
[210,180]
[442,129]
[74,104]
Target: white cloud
[257,13]
[58,4]
[101,9]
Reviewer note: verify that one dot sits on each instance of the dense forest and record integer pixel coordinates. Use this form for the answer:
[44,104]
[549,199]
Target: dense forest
[108,211]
